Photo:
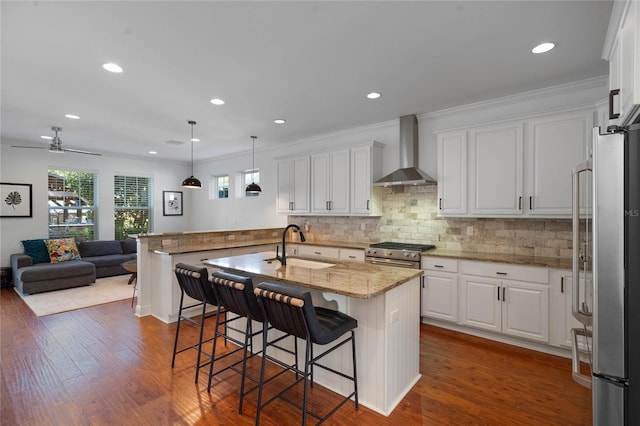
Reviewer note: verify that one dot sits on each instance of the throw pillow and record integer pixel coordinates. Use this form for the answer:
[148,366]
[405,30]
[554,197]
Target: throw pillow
[37,249]
[62,250]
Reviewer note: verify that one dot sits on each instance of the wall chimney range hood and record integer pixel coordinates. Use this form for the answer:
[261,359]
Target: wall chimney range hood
[408,173]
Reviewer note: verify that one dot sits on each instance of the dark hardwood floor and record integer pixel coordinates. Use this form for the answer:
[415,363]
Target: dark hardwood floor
[104,366]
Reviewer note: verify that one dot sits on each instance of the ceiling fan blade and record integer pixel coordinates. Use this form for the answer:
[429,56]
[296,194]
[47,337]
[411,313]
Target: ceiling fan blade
[25,146]
[79,151]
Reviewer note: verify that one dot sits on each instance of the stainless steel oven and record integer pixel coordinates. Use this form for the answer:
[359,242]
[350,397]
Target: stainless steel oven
[401,255]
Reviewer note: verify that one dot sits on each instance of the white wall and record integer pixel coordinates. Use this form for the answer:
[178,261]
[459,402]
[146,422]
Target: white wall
[31,166]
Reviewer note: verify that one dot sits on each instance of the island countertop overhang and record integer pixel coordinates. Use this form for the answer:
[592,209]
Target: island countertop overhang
[352,279]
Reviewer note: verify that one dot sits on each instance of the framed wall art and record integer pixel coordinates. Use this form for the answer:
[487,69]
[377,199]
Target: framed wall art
[172,203]
[15,199]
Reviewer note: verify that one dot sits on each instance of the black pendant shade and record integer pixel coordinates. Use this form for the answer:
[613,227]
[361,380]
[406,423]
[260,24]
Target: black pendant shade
[253,188]
[191,182]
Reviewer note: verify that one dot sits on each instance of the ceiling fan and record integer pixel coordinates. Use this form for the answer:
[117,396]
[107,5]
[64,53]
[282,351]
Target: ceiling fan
[56,145]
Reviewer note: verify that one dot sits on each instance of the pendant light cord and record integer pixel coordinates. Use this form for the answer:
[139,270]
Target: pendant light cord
[253,160]
[192,123]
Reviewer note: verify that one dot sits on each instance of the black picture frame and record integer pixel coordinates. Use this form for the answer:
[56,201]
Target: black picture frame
[172,203]
[16,200]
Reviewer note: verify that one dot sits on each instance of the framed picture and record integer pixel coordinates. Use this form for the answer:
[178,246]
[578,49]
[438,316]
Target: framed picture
[15,199]
[172,203]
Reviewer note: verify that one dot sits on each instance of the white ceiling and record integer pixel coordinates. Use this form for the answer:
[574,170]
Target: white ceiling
[311,63]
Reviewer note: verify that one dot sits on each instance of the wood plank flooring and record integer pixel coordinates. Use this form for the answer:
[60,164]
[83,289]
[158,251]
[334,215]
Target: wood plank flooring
[102,365]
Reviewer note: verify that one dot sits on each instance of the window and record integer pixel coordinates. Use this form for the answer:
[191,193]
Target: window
[71,204]
[251,176]
[132,205]
[219,186]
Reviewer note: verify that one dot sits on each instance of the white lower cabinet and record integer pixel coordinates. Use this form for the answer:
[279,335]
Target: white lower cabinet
[562,320]
[503,304]
[440,289]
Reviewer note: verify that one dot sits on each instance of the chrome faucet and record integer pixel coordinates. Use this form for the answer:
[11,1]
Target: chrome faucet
[283,258]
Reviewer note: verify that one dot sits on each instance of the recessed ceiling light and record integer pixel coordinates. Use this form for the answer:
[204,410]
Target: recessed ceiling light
[72,116]
[217,101]
[195,140]
[153,152]
[373,95]
[47,137]
[279,121]
[112,67]
[543,47]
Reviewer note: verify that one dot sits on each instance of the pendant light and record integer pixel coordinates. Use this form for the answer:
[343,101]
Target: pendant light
[191,182]
[253,188]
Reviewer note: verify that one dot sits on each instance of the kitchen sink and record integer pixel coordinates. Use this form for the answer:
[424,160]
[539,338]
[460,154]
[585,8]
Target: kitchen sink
[303,263]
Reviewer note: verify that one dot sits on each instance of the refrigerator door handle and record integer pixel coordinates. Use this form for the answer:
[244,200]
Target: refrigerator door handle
[582,315]
[580,378]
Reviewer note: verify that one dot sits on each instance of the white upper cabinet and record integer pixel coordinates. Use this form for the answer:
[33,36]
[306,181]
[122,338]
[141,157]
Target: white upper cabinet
[330,182]
[515,168]
[622,49]
[366,167]
[452,173]
[496,169]
[555,145]
[293,185]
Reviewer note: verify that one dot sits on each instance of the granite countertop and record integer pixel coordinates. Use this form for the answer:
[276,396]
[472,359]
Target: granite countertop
[215,246]
[353,279]
[548,262]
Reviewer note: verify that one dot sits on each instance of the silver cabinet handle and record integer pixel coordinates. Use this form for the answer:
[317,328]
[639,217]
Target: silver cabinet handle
[498,293]
[352,257]
[438,266]
[530,202]
[504,294]
[561,284]
[501,273]
[440,203]
[367,204]
[520,202]
[612,93]
[317,252]
[290,205]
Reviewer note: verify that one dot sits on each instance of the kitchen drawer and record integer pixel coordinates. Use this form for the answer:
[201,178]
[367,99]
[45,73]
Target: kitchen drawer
[505,271]
[318,251]
[440,264]
[352,254]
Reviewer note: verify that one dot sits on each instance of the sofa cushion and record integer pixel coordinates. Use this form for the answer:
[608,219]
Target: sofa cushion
[100,248]
[37,250]
[62,250]
[129,246]
[108,260]
[52,271]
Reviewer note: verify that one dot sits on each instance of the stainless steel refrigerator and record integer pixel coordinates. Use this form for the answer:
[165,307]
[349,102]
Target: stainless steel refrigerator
[606,270]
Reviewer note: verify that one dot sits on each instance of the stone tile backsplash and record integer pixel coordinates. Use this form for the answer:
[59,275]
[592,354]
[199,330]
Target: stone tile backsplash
[409,214]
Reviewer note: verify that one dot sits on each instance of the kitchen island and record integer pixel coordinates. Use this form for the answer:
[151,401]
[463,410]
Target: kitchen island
[385,301]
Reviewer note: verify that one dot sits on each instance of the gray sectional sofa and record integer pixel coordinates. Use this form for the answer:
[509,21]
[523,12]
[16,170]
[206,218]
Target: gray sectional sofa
[98,259]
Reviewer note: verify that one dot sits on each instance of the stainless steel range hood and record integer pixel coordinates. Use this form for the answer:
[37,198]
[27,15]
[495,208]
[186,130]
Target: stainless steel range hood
[408,173]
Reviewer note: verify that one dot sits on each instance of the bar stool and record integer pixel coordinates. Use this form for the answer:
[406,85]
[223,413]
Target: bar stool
[194,283]
[235,294]
[290,309]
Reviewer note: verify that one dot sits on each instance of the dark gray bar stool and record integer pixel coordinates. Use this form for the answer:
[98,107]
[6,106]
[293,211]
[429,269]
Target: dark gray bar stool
[290,309]
[235,294]
[194,283]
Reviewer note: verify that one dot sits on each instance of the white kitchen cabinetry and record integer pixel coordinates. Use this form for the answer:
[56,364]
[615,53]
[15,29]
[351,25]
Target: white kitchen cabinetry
[622,50]
[318,251]
[555,144]
[510,299]
[330,182]
[293,185]
[440,289]
[352,254]
[366,167]
[452,173]
[496,169]
[562,320]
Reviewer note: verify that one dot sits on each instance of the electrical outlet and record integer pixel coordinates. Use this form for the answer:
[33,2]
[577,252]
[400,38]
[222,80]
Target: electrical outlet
[469,230]
[231,237]
[363,227]
[394,316]
[167,242]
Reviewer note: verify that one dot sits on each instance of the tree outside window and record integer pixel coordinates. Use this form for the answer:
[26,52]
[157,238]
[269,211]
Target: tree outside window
[132,205]
[72,211]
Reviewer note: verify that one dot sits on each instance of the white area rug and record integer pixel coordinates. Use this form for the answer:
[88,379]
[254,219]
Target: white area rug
[104,290]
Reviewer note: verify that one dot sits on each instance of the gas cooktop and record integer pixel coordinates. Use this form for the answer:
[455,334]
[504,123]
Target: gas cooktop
[402,246]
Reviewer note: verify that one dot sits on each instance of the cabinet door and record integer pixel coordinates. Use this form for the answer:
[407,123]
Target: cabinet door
[330,182]
[285,189]
[300,185]
[555,145]
[452,173]
[629,39]
[525,310]
[361,180]
[480,304]
[496,169]
[440,296]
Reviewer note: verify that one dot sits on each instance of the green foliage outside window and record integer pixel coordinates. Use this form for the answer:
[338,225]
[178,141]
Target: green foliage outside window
[132,205]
